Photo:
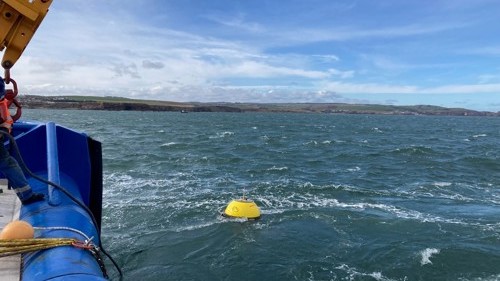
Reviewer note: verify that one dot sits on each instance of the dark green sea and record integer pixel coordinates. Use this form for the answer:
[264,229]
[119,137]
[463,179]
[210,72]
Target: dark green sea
[343,197]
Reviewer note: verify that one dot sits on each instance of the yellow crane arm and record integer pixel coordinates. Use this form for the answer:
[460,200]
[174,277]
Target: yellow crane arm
[19,20]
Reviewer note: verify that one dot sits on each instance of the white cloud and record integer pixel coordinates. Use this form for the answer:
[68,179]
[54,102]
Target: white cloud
[466,89]
[486,51]
[152,64]
[327,58]
[488,78]
[347,33]
[237,22]
[111,52]
[373,88]
[370,88]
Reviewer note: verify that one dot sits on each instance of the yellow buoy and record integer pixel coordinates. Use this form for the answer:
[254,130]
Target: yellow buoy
[242,208]
[17,230]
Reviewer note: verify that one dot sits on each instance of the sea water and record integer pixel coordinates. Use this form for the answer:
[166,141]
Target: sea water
[343,197]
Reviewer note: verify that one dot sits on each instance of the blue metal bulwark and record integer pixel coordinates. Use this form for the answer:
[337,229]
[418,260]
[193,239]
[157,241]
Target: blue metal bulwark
[62,156]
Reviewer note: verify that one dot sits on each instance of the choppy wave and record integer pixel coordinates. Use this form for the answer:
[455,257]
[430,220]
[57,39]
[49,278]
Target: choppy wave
[274,168]
[224,134]
[355,274]
[416,150]
[168,144]
[427,254]
[342,197]
[479,135]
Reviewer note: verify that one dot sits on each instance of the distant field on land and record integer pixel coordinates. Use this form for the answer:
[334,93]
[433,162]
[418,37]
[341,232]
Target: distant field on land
[120,103]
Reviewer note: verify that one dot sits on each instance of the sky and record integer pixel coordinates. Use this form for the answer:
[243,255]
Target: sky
[440,52]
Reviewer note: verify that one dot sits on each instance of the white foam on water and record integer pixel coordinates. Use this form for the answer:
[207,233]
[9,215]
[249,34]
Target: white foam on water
[489,278]
[354,274]
[274,168]
[273,211]
[195,226]
[427,254]
[171,193]
[312,142]
[442,184]
[295,201]
[168,144]
[222,135]
[479,136]
[355,169]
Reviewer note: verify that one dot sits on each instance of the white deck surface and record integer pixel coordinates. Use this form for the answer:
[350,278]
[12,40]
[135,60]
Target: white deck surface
[9,210]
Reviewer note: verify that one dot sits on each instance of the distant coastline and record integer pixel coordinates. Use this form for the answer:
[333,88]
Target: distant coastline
[120,104]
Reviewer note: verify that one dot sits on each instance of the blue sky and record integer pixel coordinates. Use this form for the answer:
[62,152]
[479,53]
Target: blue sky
[442,52]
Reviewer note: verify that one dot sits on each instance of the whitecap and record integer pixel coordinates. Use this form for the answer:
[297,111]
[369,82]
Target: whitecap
[195,226]
[232,220]
[168,144]
[354,274]
[274,168]
[272,212]
[442,184]
[222,134]
[427,254]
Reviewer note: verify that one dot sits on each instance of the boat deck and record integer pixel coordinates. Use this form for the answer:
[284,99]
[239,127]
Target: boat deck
[9,211]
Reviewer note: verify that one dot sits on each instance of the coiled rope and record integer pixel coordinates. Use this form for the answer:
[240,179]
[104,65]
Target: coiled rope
[10,247]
